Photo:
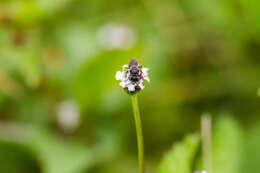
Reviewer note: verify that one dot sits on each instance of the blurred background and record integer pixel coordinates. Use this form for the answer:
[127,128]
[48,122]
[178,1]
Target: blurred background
[62,111]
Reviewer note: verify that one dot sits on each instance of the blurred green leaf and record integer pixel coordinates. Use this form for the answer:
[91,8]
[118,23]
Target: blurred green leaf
[17,158]
[227,146]
[251,155]
[54,154]
[180,158]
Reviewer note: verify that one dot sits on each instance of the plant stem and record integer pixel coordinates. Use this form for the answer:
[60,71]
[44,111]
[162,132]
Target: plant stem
[206,142]
[139,132]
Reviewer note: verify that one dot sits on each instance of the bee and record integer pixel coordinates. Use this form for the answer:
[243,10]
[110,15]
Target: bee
[135,71]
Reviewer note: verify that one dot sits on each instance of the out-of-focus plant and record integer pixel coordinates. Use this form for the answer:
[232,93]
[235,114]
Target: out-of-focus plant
[228,145]
[206,142]
[52,154]
[180,158]
[227,151]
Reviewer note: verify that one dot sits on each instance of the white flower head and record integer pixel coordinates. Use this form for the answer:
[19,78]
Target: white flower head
[132,76]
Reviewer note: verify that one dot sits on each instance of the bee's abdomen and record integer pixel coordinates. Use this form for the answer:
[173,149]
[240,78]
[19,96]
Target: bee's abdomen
[134,78]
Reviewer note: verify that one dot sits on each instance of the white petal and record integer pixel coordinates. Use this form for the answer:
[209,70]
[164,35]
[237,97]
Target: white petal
[122,84]
[145,69]
[119,75]
[147,78]
[131,87]
[125,66]
[141,86]
[145,74]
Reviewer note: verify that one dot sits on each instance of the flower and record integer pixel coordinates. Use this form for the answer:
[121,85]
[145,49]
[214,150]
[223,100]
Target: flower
[132,76]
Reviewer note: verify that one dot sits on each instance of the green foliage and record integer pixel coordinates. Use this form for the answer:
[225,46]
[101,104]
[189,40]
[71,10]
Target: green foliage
[181,157]
[228,140]
[57,156]
[21,155]
[252,153]
[53,154]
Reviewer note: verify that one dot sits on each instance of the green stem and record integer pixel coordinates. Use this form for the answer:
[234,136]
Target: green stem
[206,142]
[139,132]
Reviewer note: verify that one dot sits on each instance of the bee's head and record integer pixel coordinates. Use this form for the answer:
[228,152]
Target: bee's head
[133,63]
[134,70]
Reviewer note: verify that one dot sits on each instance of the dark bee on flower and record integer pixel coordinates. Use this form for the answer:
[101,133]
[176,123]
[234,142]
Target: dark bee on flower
[132,76]
[135,73]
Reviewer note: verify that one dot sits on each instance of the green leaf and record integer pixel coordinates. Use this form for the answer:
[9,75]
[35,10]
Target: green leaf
[57,156]
[17,158]
[54,155]
[252,153]
[227,146]
[180,158]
